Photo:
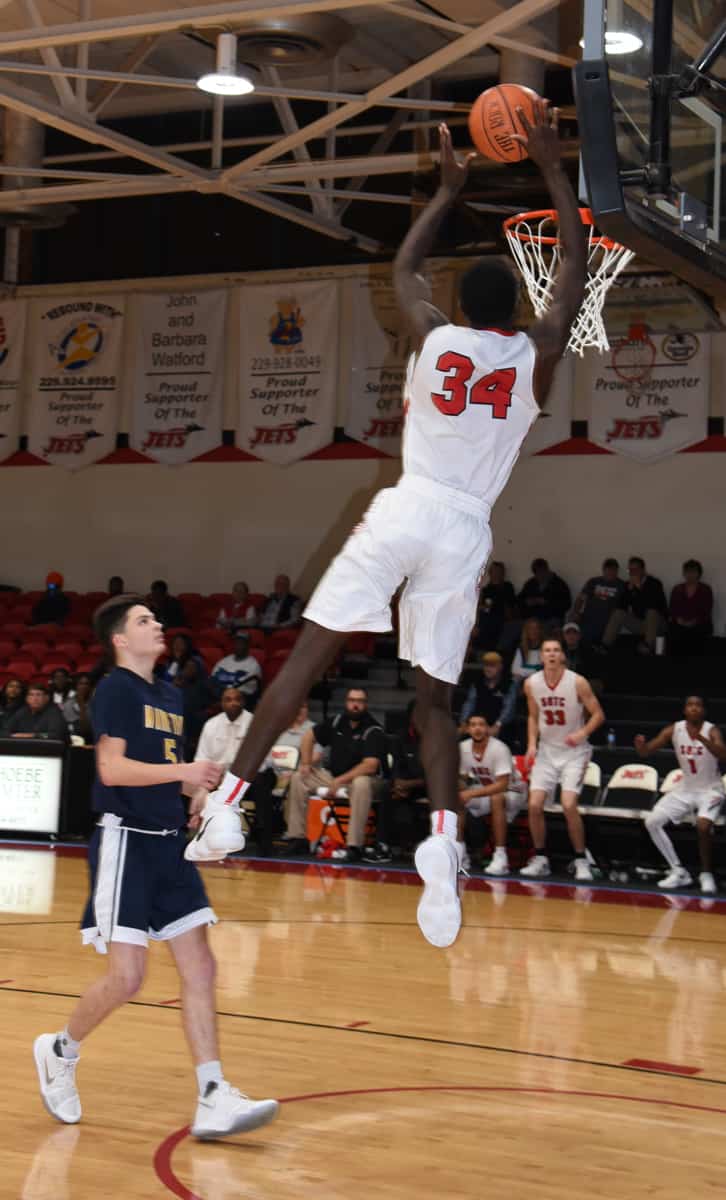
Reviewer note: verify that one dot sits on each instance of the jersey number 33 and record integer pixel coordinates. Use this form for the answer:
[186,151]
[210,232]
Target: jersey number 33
[456,392]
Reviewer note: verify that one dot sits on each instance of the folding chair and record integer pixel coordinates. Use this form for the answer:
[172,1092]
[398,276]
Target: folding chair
[632,787]
[592,784]
[672,779]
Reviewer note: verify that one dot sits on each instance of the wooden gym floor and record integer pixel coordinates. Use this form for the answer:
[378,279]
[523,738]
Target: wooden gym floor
[506,1065]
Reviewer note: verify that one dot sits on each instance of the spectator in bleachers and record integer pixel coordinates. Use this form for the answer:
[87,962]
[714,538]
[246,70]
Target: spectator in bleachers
[690,612]
[269,779]
[643,609]
[544,595]
[222,736]
[497,603]
[167,608]
[494,694]
[283,609]
[196,699]
[12,699]
[491,786]
[116,586]
[527,658]
[240,614]
[76,709]
[240,669]
[599,598]
[357,752]
[396,823]
[61,686]
[578,655]
[53,606]
[182,652]
[39,717]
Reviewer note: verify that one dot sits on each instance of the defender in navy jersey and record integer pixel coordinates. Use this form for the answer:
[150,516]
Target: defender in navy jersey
[141,884]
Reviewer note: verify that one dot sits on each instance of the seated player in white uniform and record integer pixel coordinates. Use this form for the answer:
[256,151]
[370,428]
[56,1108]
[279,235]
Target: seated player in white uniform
[700,750]
[472,394]
[558,746]
[491,784]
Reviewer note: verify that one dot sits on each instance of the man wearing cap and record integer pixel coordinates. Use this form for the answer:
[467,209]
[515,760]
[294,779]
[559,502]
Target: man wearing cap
[578,655]
[54,606]
[493,695]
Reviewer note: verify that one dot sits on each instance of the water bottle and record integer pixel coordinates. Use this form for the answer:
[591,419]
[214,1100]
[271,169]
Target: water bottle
[612,741]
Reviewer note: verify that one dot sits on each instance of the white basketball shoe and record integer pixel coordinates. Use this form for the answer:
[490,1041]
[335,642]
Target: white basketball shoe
[439,909]
[677,877]
[538,867]
[499,864]
[57,1078]
[223,1110]
[219,833]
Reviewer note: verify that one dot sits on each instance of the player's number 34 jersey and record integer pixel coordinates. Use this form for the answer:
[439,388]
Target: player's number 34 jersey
[470,405]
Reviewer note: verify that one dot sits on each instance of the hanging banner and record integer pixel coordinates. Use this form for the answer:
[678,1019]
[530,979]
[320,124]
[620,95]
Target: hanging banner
[649,394]
[288,369]
[554,423]
[179,375]
[12,332]
[73,401]
[380,344]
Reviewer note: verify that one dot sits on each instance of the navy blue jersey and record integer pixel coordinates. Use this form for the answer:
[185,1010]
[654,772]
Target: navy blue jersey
[148,716]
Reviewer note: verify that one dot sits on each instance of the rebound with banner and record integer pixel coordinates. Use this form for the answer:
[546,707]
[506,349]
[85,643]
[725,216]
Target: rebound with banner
[12,333]
[179,375]
[288,369]
[380,345]
[75,354]
[649,394]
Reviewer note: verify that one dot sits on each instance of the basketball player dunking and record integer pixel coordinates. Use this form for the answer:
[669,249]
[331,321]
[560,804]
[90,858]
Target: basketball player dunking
[700,751]
[472,394]
[556,702]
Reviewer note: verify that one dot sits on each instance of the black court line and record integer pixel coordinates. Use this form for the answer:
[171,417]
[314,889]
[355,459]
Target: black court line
[401,1037]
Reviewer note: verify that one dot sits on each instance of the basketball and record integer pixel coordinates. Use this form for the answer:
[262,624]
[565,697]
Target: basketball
[493,119]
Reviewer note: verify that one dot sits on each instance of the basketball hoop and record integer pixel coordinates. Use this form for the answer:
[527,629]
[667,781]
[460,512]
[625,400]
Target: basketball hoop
[533,240]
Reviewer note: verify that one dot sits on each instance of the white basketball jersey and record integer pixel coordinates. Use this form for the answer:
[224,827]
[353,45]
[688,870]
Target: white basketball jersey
[560,709]
[701,770]
[470,405]
[482,769]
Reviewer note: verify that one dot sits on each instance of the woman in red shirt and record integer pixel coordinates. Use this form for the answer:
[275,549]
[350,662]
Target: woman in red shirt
[690,612]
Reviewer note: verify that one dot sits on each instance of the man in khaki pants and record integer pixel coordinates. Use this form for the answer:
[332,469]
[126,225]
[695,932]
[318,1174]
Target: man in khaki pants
[357,750]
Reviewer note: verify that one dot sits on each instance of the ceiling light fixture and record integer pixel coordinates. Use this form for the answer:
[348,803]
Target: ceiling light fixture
[620,42]
[225,81]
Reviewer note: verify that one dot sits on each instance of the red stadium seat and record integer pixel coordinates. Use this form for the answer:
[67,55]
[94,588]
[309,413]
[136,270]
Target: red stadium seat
[30,598]
[191,601]
[214,637]
[32,652]
[78,633]
[21,668]
[38,634]
[183,629]
[361,643]
[94,598]
[282,639]
[258,600]
[53,662]
[257,639]
[87,663]
[11,629]
[260,655]
[8,648]
[220,599]
[73,650]
[210,656]
[273,663]
[23,613]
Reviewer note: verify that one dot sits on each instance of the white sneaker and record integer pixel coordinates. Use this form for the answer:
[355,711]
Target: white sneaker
[499,864]
[583,873]
[439,909]
[223,1110]
[464,858]
[57,1077]
[537,867]
[707,882]
[676,878]
[219,834]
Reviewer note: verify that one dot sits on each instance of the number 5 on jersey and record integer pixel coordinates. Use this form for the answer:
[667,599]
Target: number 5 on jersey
[494,389]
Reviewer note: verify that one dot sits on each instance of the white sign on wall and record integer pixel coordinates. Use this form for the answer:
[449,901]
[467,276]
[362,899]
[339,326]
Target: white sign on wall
[30,793]
[12,332]
[649,395]
[27,880]
[179,373]
[288,369]
[74,379]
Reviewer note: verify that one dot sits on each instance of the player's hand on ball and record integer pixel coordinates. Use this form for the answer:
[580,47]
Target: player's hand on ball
[453,172]
[541,140]
[203,774]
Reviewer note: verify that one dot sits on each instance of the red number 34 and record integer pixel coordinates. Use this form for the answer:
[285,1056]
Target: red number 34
[494,389]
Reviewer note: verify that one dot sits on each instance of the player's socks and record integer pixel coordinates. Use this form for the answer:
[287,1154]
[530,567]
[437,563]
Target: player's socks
[65,1046]
[220,832]
[209,1072]
[443,820]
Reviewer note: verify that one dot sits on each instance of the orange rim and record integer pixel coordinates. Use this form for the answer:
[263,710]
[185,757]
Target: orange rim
[511,224]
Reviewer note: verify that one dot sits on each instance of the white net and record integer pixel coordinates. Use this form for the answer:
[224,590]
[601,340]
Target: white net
[535,247]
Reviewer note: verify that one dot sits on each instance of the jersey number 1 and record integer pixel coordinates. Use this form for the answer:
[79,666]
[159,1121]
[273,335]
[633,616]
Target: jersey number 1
[494,389]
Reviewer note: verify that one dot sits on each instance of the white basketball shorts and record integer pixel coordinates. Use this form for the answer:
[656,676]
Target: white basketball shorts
[435,538]
[565,765]
[679,804]
[481,806]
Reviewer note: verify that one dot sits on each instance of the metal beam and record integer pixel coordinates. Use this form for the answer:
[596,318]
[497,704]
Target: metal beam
[105,94]
[380,146]
[63,89]
[424,17]
[209,16]
[510,18]
[298,215]
[158,185]
[82,57]
[288,124]
[82,127]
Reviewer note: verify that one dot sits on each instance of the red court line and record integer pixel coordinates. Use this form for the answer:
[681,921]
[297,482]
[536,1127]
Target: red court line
[164,1003]
[648,1064]
[353,1024]
[2,981]
[165,1171]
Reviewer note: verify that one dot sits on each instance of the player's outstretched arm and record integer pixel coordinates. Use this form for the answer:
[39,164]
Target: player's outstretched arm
[551,332]
[592,707]
[116,770]
[645,747]
[714,742]
[412,291]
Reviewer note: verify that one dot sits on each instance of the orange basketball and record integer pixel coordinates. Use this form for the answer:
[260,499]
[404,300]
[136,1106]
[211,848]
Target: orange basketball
[493,119]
